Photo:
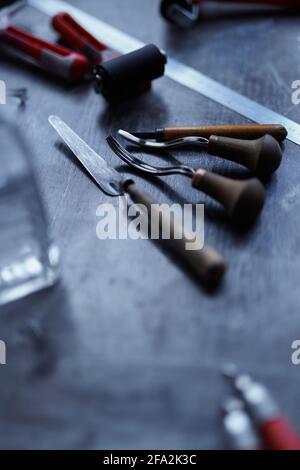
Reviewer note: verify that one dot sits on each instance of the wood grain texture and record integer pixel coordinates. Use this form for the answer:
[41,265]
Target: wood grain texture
[126,351]
[242,131]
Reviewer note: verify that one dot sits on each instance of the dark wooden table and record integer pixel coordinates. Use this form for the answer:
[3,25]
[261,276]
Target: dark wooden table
[125,352]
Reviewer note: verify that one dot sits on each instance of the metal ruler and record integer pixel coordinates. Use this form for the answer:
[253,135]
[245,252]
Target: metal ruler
[175,70]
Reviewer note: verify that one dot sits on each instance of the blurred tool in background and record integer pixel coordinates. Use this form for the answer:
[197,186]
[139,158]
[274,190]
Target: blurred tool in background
[239,429]
[18,94]
[185,13]
[77,38]
[50,57]
[275,432]
[28,258]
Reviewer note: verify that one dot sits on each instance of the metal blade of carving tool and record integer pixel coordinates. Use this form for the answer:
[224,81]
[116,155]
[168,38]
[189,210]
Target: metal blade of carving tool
[180,73]
[109,180]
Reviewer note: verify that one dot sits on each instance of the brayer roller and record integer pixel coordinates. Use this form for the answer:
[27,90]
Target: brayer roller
[116,77]
[129,74]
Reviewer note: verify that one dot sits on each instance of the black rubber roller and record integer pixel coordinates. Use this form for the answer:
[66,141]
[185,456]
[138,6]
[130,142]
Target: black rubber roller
[129,74]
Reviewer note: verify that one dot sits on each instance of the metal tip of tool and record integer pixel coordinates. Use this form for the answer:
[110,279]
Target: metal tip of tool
[125,134]
[136,140]
[53,119]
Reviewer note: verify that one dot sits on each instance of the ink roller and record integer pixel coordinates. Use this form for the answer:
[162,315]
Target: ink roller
[129,74]
[115,76]
[235,131]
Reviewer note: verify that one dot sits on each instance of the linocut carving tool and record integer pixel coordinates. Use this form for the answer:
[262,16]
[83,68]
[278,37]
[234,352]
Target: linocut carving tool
[240,131]
[261,156]
[238,426]
[243,200]
[51,57]
[185,13]
[206,263]
[276,432]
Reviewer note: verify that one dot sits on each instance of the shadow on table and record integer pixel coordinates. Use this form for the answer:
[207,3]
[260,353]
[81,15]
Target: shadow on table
[145,108]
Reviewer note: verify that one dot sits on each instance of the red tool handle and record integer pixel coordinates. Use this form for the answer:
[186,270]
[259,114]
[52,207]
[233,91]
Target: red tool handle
[77,37]
[51,57]
[278,434]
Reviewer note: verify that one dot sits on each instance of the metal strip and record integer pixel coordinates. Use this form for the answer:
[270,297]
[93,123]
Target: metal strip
[175,70]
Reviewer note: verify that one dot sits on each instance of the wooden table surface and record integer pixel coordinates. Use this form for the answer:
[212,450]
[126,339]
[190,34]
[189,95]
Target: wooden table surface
[125,352]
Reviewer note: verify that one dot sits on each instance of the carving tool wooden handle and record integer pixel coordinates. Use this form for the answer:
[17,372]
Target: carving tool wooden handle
[243,131]
[262,156]
[243,200]
[206,263]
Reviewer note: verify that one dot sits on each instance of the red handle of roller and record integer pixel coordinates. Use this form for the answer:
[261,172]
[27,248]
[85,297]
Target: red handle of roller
[51,57]
[278,434]
[76,37]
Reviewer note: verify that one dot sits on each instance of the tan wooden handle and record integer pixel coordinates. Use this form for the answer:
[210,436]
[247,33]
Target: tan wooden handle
[243,131]
[206,263]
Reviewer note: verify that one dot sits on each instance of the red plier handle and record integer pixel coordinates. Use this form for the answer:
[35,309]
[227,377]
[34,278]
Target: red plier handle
[51,57]
[76,37]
